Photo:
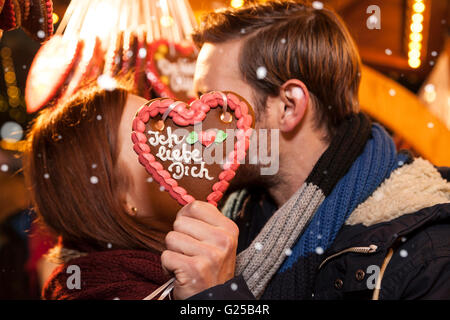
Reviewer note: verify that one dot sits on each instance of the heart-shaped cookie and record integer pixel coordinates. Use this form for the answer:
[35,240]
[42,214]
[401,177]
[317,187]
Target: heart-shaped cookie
[171,69]
[193,150]
[39,21]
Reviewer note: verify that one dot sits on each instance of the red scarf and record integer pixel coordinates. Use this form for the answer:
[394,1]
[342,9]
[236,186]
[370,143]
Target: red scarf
[108,275]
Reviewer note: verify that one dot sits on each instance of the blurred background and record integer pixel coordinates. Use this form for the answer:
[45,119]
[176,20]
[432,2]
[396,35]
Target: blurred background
[405,48]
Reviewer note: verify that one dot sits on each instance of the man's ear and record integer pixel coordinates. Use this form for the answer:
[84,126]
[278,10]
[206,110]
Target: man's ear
[295,98]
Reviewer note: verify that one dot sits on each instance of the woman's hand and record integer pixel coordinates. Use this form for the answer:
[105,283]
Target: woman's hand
[201,251]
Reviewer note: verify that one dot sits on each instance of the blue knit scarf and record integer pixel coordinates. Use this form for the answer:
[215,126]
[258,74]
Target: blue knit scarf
[376,163]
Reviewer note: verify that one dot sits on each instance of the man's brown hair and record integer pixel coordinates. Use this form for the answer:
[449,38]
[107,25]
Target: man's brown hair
[292,40]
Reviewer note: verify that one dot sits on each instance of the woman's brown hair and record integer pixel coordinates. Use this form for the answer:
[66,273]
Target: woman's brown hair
[71,169]
[292,40]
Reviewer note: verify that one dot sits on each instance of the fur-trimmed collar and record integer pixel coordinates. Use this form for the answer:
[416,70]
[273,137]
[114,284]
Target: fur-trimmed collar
[409,188]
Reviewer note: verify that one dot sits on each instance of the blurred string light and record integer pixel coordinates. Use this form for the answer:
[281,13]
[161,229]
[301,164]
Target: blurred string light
[415,36]
[14,96]
[430,93]
[237,3]
[55,18]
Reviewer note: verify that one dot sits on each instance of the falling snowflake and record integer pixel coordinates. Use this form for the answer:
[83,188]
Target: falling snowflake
[210,294]
[373,20]
[403,253]
[403,239]
[283,40]
[142,53]
[109,245]
[24,67]
[243,31]
[41,20]
[129,53]
[94,180]
[319,236]
[4,168]
[106,82]
[94,166]
[430,125]
[317,5]
[434,53]
[401,163]
[392,92]
[288,252]
[430,88]
[388,52]
[46,176]
[41,34]
[116,298]
[431,63]
[430,93]
[261,73]
[99,117]
[325,172]
[234,286]
[162,188]
[150,179]
[258,246]
[330,107]
[319,250]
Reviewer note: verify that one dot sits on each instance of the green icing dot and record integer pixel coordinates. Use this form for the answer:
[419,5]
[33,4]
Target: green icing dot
[192,137]
[220,136]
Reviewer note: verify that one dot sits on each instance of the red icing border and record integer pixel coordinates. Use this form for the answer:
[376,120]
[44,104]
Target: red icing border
[184,116]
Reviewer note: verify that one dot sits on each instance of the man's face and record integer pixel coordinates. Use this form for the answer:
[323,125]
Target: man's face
[217,69]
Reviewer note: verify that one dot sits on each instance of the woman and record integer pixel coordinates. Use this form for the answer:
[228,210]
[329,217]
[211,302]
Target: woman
[89,189]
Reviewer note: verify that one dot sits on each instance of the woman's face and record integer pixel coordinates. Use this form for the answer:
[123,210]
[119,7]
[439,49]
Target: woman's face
[145,196]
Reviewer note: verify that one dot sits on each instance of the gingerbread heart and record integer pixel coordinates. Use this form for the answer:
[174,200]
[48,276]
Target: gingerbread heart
[171,69]
[193,150]
[39,21]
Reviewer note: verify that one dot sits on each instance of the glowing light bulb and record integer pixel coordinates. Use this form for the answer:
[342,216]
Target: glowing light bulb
[417,18]
[415,36]
[419,7]
[414,54]
[414,63]
[415,46]
[237,3]
[416,27]
[55,18]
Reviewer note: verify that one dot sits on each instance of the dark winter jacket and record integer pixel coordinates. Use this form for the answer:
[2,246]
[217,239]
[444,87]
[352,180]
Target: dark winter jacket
[404,258]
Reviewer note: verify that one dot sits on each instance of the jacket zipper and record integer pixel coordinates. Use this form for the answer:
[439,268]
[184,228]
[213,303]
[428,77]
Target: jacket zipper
[370,249]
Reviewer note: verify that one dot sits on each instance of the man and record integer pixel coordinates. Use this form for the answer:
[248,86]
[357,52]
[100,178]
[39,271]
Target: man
[346,216]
